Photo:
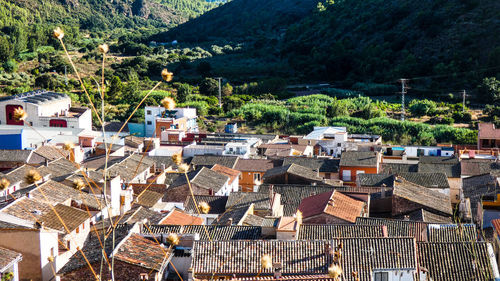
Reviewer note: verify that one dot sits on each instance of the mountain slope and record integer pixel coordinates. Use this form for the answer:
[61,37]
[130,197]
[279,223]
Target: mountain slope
[454,41]
[242,19]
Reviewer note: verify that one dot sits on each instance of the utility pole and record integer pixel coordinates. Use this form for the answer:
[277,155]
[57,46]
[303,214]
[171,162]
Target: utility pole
[463,100]
[220,92]
[403,92]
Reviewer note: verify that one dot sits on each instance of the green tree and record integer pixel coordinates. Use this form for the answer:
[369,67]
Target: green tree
[209,87]
[115,90]
[227,90]
[183,90]
[422,107]
[204,68]
[489,89]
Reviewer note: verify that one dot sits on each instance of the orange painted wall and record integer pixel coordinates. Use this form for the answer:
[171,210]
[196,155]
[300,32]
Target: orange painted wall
[367,170]
[246,180]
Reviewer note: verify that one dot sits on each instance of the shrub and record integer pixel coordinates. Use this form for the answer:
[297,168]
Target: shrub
[422,107]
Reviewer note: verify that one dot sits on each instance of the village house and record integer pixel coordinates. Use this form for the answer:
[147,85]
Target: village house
[217,206]
[330,208]
[488,136]
[9,263]
[203,182]
[353,163]
[252,172]
[292,174]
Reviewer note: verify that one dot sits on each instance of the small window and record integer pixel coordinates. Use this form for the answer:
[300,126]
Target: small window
[148,112]
[149,123]
[162,128]
[339,144]
[381,276]
[256,176]
[78,230]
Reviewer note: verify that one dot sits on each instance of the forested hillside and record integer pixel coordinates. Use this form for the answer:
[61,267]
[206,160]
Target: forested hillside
[241,20]
[454,41]
[27,24]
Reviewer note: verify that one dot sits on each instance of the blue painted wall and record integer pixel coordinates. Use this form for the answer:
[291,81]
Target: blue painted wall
[14,141]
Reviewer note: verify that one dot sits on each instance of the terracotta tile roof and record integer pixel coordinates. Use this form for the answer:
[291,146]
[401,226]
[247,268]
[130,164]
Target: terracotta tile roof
[15,155]
[292,194]
[149,198]
[253,220]
[398,228]
[332,203]
[324,232]
[324,165]
[93,250]
[51,152]
[451,233]
[27,209]
[54,192]
[286,278]
[283,146]
[303,256]
[429,199]
[474,167]
[488,131]
[425,216]
[143,252]
[217,203]
[394,168]
[294,169]
[20,173]
[375,180]
[176,217]
[72,218]
[496,225]
[232,174]
[359,159]
[130,167]
[210,160]
[456,260]
[216,232]
[7,258]
[232,216]
[254,165]
[261,201]
[436,164]
[287,224]
[210,179]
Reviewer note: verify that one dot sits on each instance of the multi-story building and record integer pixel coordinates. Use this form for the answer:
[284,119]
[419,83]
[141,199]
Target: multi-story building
[159,121]
[45,109]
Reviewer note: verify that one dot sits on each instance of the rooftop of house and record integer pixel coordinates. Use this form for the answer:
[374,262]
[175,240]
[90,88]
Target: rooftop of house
[295,170]
[253,220]
[451,233]
[148,198]
[8,258]
[332,231]
[19,173]
[27,209]
[176,217]
[303,256]
[233,216]
[15,155]
[92,250]
[130,167]
[209,179]
[139,214]
[319,132]
[254,165]
[429,180]
[217,203]
[376,180]
[59,169]
[322,165]
[64,218]
[359,159]
[292,194]
[450,166]
[210,160]
[216,232]
[398,228]
[232,174]
[51,152]
[115,127]
[36,97]
[430,199]
[474,167]
[426,216]
[469,261]
[396,168]
[488,131]
[261,201]
[332,203]
[143,252]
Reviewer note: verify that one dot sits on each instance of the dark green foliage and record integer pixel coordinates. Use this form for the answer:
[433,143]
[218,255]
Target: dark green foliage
[183,90]
[209,87]
[489,89]
[422,107]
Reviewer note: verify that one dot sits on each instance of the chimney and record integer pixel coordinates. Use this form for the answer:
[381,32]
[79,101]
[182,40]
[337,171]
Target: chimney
[230,221]
[46,163]
[271,194]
